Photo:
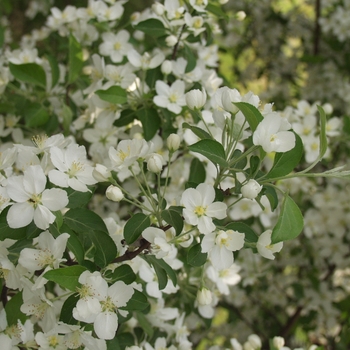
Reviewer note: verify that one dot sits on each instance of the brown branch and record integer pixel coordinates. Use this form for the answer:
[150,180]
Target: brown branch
[4,295]
[317,30]
[129,255]
[284,332]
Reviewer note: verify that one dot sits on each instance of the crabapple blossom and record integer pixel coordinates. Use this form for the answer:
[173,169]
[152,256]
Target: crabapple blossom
[32,200]
[200,208]
[159,243]
[264,246]
[170,97]
[115,46]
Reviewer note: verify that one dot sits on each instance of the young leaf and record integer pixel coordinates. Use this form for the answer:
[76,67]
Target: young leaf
[197,172]
[173,218]
[195,257]
[134,227]
[290,222]
[76,60]
[202,134]
[284,163]
[29,73]
[114,95]
[251,113]
[150,122]
[152,27]
[66,277]
[211,149]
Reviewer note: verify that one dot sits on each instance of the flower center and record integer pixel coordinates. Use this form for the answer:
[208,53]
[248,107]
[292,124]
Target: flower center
[74,169]
[173,98]
[53,340]
[39,140]
[35,200]
[200,210]
[117,46]
[108,305]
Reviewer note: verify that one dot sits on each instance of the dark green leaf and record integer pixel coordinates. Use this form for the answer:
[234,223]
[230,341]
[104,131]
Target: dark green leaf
[195,257]
[163,270]
[145,324]
[254,162]
[191,59]
[138,302]
[67,116]
[323,129]
[211,149]
[66,277]
[197,171]
[152,27]
[127,116]
[217,11]
[76,60]
[173,218]
[251,113]
[82,220]
[8,232]
[271,195]
[36,115]
[202,134]
[150,122]
[134,227]
[2,36]
[290,222]
[29,73]
[114,95]
[77,199]
[67,310]
[249,234]
[121,273]
[284,163]
[13,310]
[55,70]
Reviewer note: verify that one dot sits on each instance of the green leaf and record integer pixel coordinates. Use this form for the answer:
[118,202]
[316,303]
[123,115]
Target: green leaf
[173,218]
[138,302]
[2,36]
[249,234]
[127,116]
[82,220]
[145,324]
[36,115]
[251,113]
[191,59]
[217,11]
[114,95]
[67,309]
[271,195]
[55,70]
[290,222]
[106,250]
[76,60]
[202,134]
[6,231]
[163,270]
[284,163]
[152,27]
[195,257]
[29,73]
[150,122]
[121,273]
[66,277]
[211,149]
[323,136]
[254,163]
[134,227]
[13,310]
[67,116]
[197,171]
[77,199]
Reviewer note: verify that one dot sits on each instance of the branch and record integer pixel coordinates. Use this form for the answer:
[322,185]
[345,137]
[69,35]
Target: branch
[317,30]
[129,255]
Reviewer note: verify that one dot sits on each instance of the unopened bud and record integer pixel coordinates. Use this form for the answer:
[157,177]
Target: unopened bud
[114,193]
[155,163]
[173,142]
[251,189]
[101,173]
[255,341]
[204,296]
[278,342]
[171,40]
[195,99]
[166,67]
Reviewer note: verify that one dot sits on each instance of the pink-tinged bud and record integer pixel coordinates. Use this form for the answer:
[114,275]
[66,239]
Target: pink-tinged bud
[204,296]
[195,99]
[251,189]
[114,193]
[101,173]
[173,142]
[155,163]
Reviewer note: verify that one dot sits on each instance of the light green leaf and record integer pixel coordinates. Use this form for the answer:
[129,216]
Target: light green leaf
[173,218]
[251,113]
[29,73]
[211,149]
[152,27]
[76,60]
[195,257]
[216,10]
[114,95]
[150,122]
[290,222]
[284,163]
[134,227]
[66,277]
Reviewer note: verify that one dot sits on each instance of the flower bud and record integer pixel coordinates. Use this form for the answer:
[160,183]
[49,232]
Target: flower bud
[251,189]
[171,40]
[155,163]
[228,96]
[114,193]
[166,67]
[254,341]
[195,99]
[101,173]
[173,142]
[278,342]
[204,296]
[158,8]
